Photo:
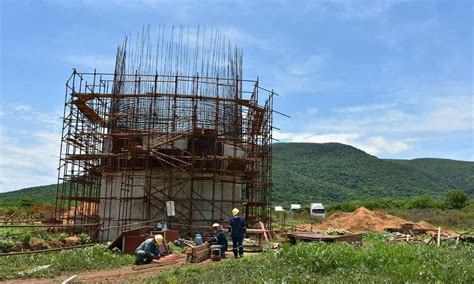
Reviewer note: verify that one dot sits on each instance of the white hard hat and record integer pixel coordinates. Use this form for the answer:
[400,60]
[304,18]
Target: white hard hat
[216,225]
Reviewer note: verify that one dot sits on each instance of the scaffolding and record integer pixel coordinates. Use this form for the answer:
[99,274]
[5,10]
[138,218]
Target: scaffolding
[133,141]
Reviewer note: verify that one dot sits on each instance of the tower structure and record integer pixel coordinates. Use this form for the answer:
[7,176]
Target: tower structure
[172,123]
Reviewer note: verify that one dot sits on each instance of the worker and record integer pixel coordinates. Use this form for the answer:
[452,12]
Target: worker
[237,230]
[148,250]
[219,238]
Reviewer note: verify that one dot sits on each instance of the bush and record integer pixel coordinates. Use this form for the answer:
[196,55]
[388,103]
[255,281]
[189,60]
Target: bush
[456,199]
[84,239]
[6,245]
[423,202]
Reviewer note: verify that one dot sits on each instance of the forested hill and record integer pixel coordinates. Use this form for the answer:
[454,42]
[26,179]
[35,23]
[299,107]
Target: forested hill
[311,172]
[329,172]
[44,194]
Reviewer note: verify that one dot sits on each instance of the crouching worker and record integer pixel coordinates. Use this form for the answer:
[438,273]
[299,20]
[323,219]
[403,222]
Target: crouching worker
[148,250]
[237,230]
[219,238]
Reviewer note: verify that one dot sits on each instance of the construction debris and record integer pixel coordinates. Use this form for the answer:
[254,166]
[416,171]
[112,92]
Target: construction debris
[199,253]
[312,237]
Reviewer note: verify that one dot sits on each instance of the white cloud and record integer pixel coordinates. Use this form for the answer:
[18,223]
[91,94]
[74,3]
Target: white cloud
[345,138]
[373,144]
[379,144]
[22,108]
[30,146]
[441,114]
[245,39]
[300,76]
[363,108]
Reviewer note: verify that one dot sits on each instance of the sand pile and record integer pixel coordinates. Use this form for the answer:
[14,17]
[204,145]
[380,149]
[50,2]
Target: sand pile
[361,220]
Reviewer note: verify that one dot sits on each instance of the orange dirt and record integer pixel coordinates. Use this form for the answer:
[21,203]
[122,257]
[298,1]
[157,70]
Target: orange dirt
[362,220]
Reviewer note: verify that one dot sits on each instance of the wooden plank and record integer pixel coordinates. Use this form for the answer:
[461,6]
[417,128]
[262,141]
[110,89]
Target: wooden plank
[200,248]
[201,256]
[200,253]
[89,112]
[262,226]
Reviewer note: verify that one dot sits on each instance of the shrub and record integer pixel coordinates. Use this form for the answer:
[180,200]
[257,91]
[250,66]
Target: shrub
[423,202]
[25,240]
[27,202]
[6,245]
[84,239]
[456,199]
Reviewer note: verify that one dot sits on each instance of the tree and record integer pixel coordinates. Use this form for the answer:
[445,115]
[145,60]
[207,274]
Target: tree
[456,199]
[27,202]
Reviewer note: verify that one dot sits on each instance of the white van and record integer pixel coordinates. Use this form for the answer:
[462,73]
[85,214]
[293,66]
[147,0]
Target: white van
[279,209]
[317,210]
[295,207]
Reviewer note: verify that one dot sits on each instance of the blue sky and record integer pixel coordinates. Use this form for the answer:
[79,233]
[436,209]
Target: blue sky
[393,78]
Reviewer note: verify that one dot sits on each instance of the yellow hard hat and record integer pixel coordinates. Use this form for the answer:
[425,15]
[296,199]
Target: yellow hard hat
[235,212]
[159,239]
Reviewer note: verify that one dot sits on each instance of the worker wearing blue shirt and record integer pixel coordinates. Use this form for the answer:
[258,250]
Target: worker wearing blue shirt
[148,250]
[237,230]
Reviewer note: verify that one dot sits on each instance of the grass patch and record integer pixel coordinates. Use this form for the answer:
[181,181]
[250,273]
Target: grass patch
[320,262]
[67,261]
[461,219]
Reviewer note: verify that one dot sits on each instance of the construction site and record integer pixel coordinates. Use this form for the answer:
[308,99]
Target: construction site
[176,121]
[166,161]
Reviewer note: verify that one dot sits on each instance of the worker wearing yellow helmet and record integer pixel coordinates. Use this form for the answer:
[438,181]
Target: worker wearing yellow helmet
[148,250]
[237,230]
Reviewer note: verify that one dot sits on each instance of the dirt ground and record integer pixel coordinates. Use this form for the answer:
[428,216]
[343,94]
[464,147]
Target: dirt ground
[363,220]
[124,274]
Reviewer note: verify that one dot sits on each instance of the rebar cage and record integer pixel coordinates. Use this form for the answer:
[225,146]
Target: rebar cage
[132,142]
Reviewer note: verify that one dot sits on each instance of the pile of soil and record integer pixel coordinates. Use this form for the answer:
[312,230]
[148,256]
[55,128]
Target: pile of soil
[362,220]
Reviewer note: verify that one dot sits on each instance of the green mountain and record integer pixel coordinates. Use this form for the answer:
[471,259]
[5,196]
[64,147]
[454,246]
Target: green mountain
[329,172]
[332,172]
[45,194]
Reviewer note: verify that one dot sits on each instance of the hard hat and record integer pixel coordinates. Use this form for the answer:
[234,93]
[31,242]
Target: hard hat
[235,211]
[216,225]
[159,239]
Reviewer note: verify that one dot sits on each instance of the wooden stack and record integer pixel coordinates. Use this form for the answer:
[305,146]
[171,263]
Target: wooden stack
[199,253]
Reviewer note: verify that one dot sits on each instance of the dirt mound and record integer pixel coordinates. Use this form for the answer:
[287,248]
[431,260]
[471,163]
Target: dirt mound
[425,225]
[361,220]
